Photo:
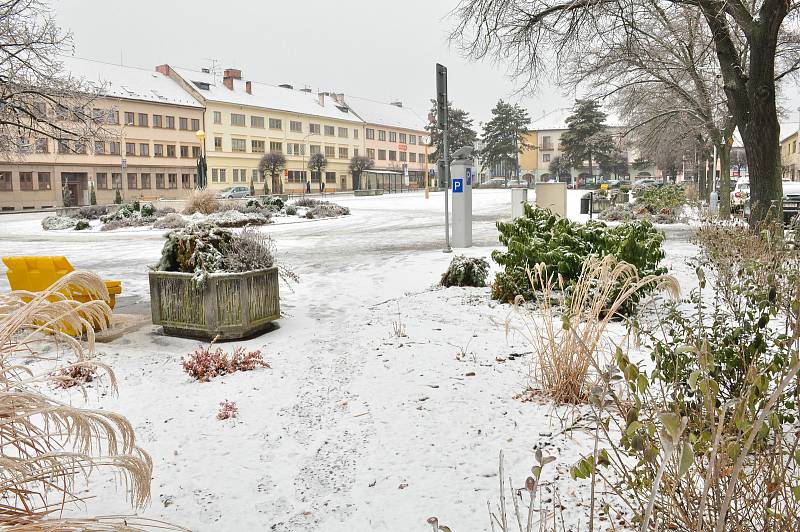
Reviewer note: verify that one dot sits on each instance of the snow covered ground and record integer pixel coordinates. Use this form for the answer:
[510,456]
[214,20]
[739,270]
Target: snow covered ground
[354,428]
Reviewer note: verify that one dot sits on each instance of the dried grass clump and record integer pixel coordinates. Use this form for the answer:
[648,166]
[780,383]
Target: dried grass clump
[227,410]
[567,344]
[204,363]
[46,444]
[203,201]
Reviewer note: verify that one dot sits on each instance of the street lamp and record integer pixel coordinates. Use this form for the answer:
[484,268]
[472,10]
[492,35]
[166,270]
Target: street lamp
[202,169]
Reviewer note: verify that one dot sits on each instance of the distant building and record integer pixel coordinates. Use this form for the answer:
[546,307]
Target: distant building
[790,160]
[150,152]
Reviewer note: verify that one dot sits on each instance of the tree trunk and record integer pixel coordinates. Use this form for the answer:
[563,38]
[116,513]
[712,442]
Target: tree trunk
[725,181]
[702,169]
[591,170]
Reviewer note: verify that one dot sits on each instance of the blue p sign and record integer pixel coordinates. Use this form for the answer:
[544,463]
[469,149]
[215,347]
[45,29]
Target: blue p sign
[469,176]
[458,185]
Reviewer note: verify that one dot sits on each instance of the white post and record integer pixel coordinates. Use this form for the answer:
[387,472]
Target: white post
[462,174]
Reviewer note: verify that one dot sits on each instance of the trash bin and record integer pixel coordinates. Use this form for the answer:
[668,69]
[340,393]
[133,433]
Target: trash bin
[586,203]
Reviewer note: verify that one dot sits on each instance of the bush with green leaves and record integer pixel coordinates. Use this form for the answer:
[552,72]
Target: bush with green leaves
[663,200]
[540,237]
[130,210]
[466,271]
[81,225]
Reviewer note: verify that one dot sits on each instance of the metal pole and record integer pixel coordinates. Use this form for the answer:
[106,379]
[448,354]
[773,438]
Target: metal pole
[443,122]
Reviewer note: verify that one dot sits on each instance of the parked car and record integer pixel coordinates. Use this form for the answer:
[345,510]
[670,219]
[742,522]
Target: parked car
[791,200]
[234,192]
[496,182]
[516,183]
[645,182]
[740,194]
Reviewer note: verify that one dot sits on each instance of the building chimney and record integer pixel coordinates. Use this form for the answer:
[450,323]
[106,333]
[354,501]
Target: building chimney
[322,99]
[397,103]
[248,86]
[305,89]
[234,73]
[228,82]
[163,69]
[205,70]
[285,86]
[340,98]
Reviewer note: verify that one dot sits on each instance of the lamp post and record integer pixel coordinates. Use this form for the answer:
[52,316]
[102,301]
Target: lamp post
[202,170]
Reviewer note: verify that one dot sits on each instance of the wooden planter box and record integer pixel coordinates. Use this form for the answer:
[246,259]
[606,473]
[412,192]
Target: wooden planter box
[230,305]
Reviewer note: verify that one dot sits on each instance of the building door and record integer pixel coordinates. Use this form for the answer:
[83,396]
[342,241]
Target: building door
[77,186]
[356,182]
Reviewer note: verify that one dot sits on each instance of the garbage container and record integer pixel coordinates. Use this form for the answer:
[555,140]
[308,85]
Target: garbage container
[586,203]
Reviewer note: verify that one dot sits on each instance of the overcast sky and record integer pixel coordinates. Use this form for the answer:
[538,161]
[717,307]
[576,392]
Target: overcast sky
[370,48]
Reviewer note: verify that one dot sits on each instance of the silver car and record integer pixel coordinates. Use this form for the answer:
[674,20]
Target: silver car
[234,192]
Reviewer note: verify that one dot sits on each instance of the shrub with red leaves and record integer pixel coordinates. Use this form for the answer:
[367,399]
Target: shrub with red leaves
[228,409]
[205,364]
[75,375]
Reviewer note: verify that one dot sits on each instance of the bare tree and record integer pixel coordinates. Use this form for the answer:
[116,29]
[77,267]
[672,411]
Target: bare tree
[38,100]
[358,165]
[272,164]
[755,47]
[317,163]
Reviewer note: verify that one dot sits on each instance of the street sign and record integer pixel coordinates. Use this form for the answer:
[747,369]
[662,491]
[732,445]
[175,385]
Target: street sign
[458,185]
[124,163]
[425,140]
[469,176]
[441,96]
[402,147]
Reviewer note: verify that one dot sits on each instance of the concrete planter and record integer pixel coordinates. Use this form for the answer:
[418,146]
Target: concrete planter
[600,204]
[230,305]
[369,192]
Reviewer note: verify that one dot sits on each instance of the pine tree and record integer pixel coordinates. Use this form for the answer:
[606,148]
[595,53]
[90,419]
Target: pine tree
[66,195]
[559,167]
[587,138]
[460,132]
[92,195]
[118,197]
[252,187]
[504,135]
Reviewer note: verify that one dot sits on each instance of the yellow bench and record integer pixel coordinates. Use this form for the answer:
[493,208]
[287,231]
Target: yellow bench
[36,274]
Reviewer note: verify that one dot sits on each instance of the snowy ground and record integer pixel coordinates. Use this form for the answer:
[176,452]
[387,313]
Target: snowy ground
[354,428]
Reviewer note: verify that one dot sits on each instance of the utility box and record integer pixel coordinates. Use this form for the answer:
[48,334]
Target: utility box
[519,197]
[462,175]
[552,196]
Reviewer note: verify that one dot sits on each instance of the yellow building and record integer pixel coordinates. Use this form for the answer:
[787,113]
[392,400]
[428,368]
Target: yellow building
[789,157]
[246,119]
[529,159]
[149,148]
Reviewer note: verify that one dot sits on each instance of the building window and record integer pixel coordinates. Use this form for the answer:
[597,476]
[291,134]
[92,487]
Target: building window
[186,181]
[254,176]
[130,148]
[196,152]
[296,126]
[101,178]
[195,124]
[330,131]
[392,155]
[146,181]
[402,138]
[314,176]
[144,150]
[42,146]
[5,181]
[143,119]
[116,181]
[343,153]
[371,153]
[133,181]
[297,176]
[330,177]
[256,121]
[275,123]
[129,119]
[214,175]
[184,150]
[370,134]
[381,135]
[239,145]
[99,147]
[113,148]
[412,139]
[392,136]
[80,147]
[421,158]
[160,181]
[44,181]
[63,146]
[330,151]
[170,122]
[343,132]
[381,155]
[222,177]
[26,180]
[314,148]
[293,148]
[355,133]
[158,121]
[412,157]
[183,123]
[257,146]
[217,117]
[238,120]
[235,175]
[158,150]
[314,129]
[218,143]
[170,150]
[113,117]
[355,152]
[545,157]
[276,146]
[402,156]
[173,180]
[547,143]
